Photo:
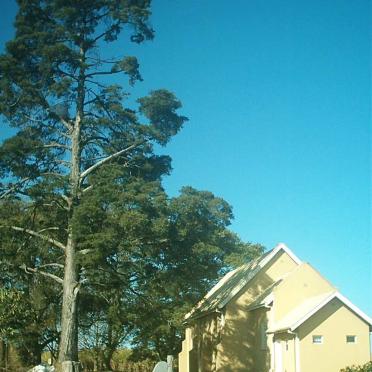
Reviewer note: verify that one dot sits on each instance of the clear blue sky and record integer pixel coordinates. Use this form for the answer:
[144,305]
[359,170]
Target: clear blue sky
[279,99]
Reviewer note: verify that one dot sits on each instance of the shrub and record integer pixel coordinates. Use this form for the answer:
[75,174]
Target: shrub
[364,368]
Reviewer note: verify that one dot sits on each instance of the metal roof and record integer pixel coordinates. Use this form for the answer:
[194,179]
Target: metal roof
[233,282]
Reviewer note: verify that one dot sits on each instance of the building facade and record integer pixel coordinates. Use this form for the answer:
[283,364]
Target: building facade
[274,314]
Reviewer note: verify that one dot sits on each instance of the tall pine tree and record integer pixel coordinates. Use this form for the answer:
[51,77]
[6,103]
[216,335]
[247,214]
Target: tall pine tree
[71,126]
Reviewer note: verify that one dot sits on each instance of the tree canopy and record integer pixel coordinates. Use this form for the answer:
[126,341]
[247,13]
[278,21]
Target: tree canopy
[82,201]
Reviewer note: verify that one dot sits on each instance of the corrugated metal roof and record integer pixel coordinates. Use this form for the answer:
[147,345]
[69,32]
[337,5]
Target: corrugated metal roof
[234,281]
[221,291]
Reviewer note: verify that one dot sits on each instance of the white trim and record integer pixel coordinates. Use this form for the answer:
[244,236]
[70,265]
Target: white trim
[343,299]
[278,356]
[356,310]
[289,252]
[351,342]
[297,354]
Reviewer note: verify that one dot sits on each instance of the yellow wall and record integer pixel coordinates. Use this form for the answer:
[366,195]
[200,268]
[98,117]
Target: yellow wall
[302,283]
[199,349]
[333,322]
[238,349]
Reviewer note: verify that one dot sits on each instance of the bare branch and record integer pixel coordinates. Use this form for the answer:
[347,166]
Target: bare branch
[13,188]
[66,199]
[63,162]
[57,145]
[52,241]
[87,189]
[53,265]
[15,102]
[51,228]
[99,73]
[85,251]
[107,159]
[51,174]
[33,119]
[29,270]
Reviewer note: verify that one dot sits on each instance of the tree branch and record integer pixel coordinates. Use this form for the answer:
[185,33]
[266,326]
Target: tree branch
[88,188]
[107,159]
[57,145]
[99,73]
[52,264]
[29,270]
[51,228]
[14,187]
[52,174]
[52,241]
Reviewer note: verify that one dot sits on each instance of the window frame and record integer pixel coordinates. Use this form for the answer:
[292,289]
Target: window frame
[319,337]
[354,339]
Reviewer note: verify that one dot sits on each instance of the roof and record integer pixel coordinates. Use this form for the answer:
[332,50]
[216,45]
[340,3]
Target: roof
[309,307]
[232,283]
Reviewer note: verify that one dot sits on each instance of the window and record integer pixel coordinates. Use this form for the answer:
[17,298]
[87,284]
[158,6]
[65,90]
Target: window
[350,339]
[317,339]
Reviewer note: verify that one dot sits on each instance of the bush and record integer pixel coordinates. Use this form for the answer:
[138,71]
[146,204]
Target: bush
[364,368]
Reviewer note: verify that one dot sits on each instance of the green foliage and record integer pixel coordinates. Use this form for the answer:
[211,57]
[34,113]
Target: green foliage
[14,312]
[28,320]
[362,368]
[160,108]
[82,172]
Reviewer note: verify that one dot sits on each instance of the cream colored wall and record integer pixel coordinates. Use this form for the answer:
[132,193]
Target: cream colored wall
[183,365]
[302,283]
[184,355]
[199,349]
[238,349]
[333,322]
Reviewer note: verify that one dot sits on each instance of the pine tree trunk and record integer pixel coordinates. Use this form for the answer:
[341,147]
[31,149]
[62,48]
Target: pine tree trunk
[68,348]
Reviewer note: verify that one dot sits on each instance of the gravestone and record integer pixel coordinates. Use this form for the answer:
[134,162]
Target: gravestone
[161,367]
[42,368]
[164,366]
[170,363]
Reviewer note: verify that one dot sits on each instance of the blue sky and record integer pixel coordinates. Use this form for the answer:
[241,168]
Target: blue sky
[278,94]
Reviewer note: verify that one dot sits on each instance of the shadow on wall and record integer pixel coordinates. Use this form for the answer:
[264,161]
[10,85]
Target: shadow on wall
[320,318]
[242,347]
